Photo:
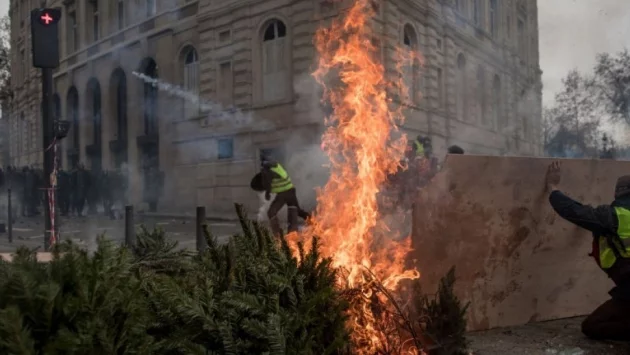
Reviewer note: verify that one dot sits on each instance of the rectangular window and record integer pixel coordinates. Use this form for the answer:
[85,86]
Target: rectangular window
[440,87]
[224,36]
[226,84]
[22,67]
[461,6]
[95,22]
[151,8]
[522,43]
[438,44]
[121,14]
[72,33]
[477,12]
[494,12]
[226,148]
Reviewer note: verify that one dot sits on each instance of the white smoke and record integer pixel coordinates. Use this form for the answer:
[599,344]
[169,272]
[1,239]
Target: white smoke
[215,111]
[264,206]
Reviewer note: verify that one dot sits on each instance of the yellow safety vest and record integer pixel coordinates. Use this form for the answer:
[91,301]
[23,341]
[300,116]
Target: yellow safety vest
[419,147]
[607,256]
[282,183]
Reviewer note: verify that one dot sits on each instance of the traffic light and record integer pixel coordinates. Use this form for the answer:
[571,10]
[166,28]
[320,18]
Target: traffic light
[45,37]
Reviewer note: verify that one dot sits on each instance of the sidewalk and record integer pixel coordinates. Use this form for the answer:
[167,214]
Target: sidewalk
[186,216]
[558,337]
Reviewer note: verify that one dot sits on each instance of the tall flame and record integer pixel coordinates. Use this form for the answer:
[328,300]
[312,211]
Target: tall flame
[362,153]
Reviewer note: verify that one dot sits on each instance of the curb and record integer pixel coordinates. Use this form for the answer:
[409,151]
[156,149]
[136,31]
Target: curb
[184,216]
[42,257]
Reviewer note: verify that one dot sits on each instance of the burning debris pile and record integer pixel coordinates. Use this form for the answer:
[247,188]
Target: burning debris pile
[363,154]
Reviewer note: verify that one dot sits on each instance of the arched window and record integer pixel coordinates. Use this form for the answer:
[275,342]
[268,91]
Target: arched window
[72,112]
[73,116]
[275,62]
[460,87]
[481,103]
[56,107]
[149,68]
[119,85]
[497,103]
[191,80]
[94,90]
[410,45]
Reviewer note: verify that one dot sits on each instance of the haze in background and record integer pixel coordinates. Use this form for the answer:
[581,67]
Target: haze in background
[572,32]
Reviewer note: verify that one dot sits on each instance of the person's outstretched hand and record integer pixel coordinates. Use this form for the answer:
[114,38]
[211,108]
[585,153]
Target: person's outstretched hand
[553,176]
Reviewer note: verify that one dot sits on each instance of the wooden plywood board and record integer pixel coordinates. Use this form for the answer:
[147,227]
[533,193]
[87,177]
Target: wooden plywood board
[516,260]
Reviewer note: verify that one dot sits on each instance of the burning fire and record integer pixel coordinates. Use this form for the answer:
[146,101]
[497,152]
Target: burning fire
[363,153]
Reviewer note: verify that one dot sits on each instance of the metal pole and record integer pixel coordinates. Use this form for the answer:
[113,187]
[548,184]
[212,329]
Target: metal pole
[49,154]
[201,221]
[130,231]
[10,214]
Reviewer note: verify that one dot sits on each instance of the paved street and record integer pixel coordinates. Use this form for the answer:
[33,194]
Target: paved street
[30,231]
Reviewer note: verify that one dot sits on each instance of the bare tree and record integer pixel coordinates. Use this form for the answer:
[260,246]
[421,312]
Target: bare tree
[612,77]
[571,128]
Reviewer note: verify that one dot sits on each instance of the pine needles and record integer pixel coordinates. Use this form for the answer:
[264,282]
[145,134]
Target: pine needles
[246,297]
[249,296]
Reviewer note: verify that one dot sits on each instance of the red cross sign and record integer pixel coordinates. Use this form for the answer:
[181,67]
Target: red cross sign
[46,19]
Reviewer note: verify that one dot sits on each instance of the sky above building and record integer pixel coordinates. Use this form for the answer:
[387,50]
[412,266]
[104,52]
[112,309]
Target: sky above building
[572,32]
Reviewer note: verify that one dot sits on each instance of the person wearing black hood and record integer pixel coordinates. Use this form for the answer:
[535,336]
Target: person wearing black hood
[610,225]
[274,179]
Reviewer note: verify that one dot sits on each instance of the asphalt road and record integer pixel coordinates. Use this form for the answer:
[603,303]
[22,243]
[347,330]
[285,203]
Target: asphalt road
[29,232]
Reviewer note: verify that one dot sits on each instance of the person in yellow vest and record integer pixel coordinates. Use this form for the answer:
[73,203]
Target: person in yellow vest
[276,180]
[610,225]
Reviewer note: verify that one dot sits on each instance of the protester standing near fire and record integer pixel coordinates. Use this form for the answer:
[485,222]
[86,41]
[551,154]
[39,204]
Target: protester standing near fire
[610,225]
[274,179]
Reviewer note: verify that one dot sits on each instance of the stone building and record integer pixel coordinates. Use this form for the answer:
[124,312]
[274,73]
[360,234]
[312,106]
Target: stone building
[479,86]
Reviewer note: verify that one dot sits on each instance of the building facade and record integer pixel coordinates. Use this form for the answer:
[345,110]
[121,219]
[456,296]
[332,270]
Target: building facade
[250,61]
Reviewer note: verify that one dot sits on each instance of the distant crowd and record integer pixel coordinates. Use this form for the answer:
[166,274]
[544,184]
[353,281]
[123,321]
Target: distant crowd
[79,191]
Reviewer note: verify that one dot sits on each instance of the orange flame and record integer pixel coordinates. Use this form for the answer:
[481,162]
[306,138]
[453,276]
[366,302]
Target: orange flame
[362,153]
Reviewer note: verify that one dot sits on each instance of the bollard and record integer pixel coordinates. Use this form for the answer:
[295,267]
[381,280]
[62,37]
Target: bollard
[201,221]
[10,214]
[130,230]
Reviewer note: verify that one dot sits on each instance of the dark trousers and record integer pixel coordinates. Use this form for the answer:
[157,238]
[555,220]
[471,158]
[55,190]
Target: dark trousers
[288,198]
[294,210]
[610,321]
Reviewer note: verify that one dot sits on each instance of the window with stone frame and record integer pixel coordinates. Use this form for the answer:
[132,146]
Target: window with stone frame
[460,87]
[497,106]
[95,20]
[409,78]
[481,104]
[440,87]
[225,91]
[477,13]
[191,81]
[151,8]
[120,13]
[494,18]
[72,32]
[522,38]
[275,64]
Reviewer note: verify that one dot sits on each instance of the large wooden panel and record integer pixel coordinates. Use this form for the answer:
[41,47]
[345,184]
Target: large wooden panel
[516,260]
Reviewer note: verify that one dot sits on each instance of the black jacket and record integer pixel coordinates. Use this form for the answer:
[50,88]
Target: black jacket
[601,221]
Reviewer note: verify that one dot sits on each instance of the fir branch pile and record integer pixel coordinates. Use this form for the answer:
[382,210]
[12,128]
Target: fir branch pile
[249,296]
[246,297]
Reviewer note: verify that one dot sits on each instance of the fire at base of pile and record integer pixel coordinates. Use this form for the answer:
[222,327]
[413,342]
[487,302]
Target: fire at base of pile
[432,324]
